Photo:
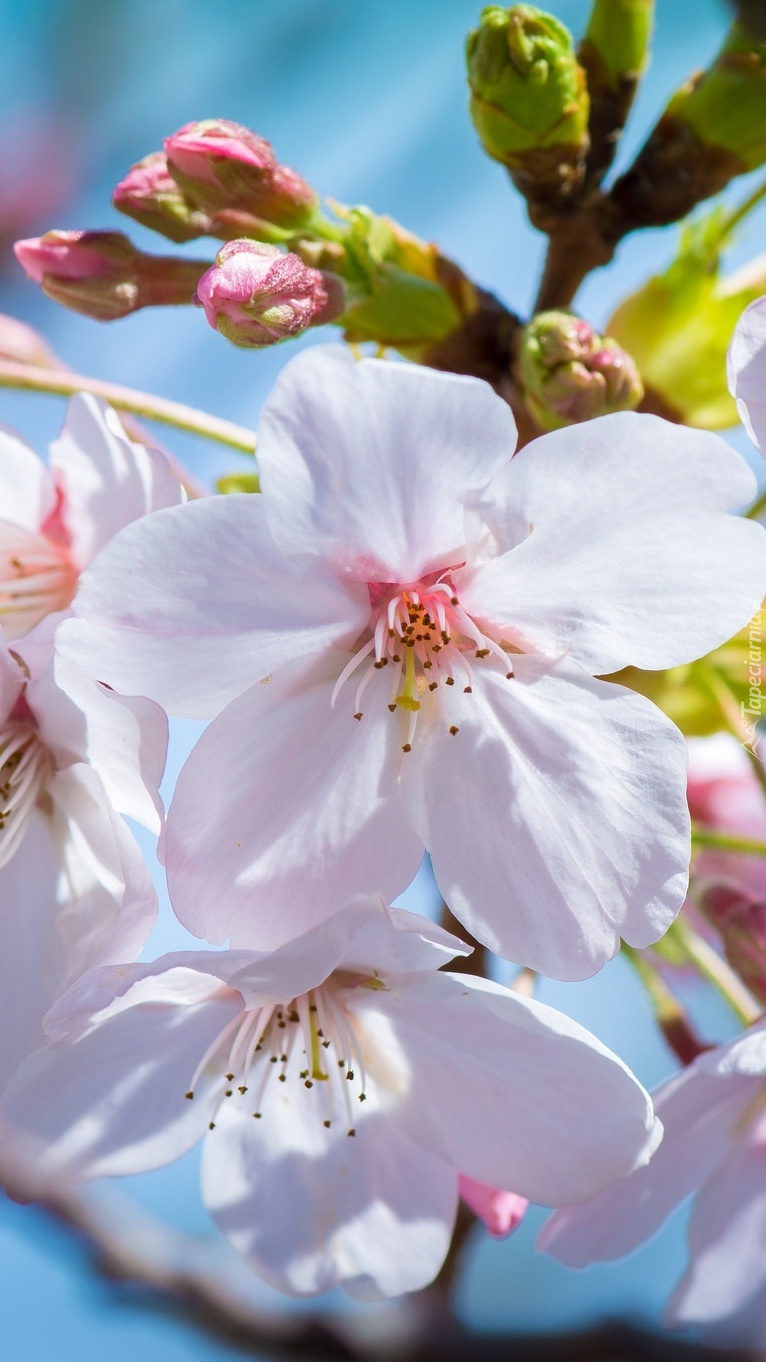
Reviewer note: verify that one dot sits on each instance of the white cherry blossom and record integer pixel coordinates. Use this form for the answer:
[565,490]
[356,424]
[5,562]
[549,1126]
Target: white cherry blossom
[401,641]
[339,1083]
[746,365]
[55,519]
[714,1148]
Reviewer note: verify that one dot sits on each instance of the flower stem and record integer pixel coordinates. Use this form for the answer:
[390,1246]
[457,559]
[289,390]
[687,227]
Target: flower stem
[727,841]
[716,970]
[668,1012]
[64,384]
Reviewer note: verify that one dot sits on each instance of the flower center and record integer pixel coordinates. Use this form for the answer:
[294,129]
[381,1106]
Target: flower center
[430,642]
[306,1042]
[25,767]
[36,578]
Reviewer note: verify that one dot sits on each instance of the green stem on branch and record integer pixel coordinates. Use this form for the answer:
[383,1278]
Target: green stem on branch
[716,970]
[63,384]
[727,841]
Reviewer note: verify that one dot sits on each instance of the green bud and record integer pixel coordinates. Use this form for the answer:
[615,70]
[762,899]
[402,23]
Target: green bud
[569,373]
[679,324]
[713,129]
[618,36]
[529,99]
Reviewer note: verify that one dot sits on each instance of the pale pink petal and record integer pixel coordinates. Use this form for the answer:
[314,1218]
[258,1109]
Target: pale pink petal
[700,1115]
[32,959]
[305,812]
[503,1088]
[630,557]
[113,1101]
[106,480]
[723,1291]
[502,1212]
[112,901]
[212,606]
[124,739]
[556,816]
[27,494]
[310,1209]
[746,367]
[366,463]
[745,1055]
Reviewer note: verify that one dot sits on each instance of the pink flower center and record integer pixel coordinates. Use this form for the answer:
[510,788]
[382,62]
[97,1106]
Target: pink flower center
[430,642]
[25,768]
[307,1042]
[36,578]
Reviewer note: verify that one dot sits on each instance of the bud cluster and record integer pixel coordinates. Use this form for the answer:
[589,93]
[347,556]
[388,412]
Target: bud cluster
[570,373]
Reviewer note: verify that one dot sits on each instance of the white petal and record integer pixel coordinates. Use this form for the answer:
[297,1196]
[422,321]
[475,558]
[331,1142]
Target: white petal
[630,557]
[27,494]
[746,366]
[309,1208]
[107,480]
[507,1090]
[113,1102]
[700,1115]
[112,901]
[194,604]
[556,816]
[33,962]
[304,813]
[724,1290]
[124,739]
[366,463]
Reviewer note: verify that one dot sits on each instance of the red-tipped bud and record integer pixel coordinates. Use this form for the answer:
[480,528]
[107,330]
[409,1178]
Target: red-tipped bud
[150,195]
[103,275]
[257,295]
[222,165]
[740,918]
[572,374]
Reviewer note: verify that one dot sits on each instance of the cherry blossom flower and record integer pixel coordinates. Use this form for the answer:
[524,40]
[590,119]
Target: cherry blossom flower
[714,1147]
[401,640]
[54,520]
[352,1030]
[746,366]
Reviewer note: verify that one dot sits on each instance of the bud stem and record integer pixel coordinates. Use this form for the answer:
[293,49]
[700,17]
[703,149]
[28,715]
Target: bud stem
[153,408]
[726,841]
[668,1012]
[716,970]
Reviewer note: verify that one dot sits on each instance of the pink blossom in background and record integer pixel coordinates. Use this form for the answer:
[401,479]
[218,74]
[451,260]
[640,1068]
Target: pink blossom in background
[714,1148]
[339,1083]
[401,640]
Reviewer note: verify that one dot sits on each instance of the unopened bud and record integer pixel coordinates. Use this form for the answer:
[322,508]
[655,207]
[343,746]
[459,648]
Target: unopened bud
[713,128]
[103,275]
[257,295]
[529,100]
[570,373]
[740,919]
[150,195]
[502,1212]
[222,165]
[613,54]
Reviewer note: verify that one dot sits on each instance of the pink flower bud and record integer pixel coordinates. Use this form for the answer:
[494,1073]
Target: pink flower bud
[502,1212]
[103,275]
[222,165]
[257,295]
[572,374]
[150,195]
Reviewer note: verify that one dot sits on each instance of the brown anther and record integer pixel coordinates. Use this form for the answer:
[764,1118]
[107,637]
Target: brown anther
[380,663]
[356,716]
[433,685]
[350,1075]
[454,729]
[450,680]
[242,1089]
[407,747]
[228,1092]
[190,1095]
[308,1083]
[273,1059]
[341,1063]
[482,652]
[229,1078]
[468,690]
[363,1097]
[392,708]
[211,1125]
[453,600]
[283,1078]
[427,665]
[326,1125]
[509,676]
[256,1116]
[352,1132]
[396,657]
